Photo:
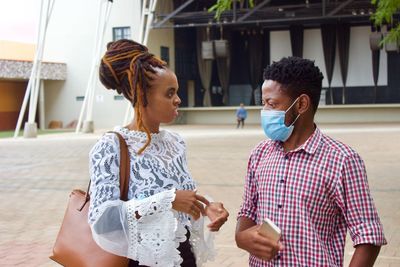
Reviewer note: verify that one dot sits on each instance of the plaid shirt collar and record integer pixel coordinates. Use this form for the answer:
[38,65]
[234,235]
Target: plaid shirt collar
[309,146]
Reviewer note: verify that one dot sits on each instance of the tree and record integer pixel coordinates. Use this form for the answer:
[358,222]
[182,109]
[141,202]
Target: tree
[384,14]
[224,5]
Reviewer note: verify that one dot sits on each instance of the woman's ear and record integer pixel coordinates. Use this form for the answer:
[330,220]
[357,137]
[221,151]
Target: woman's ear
[304,103]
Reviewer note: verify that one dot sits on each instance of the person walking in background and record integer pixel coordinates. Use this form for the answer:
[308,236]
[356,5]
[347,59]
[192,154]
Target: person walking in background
[162,222]
[241,115]
[311,186]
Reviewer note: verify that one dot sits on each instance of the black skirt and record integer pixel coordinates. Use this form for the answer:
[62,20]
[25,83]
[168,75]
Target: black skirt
[186,253]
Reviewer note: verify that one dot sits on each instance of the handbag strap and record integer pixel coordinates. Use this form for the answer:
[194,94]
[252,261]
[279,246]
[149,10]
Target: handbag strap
[124,170]
[124,167]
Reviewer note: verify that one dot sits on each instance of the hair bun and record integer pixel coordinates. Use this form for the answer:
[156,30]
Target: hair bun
[122,64]
[106,78]
[112,67]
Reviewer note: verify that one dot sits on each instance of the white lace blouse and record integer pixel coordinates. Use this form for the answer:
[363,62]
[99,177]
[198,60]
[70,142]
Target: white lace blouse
[161,169]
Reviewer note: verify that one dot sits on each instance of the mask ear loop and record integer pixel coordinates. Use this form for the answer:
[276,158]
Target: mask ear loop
[290,108]
[295,120]
[292,104]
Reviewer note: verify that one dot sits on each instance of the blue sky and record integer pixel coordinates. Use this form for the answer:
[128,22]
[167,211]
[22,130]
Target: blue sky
[19,20]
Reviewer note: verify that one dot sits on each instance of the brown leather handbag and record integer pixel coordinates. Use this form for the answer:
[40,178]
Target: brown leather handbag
[74,246]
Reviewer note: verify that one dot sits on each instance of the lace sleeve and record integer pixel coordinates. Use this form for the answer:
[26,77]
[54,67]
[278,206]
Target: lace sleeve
[105,211]
[202,239]
[115,228]
[104,174]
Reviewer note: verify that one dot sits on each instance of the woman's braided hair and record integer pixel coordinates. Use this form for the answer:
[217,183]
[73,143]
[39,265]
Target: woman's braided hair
[128,67]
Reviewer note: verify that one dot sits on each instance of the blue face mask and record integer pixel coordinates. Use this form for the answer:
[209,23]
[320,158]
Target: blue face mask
[273,124]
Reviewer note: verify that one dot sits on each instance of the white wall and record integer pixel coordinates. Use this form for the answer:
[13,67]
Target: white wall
[109,112]
[280,45]
[313,50]
[163,37]
[360,59]
[71,40]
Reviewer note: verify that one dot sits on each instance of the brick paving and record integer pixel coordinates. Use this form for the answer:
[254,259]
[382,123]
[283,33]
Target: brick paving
[37,175]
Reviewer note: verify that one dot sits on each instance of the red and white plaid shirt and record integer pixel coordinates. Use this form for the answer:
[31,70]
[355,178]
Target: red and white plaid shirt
[314,194]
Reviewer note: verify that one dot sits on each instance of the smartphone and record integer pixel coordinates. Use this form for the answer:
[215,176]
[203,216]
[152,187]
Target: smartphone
[270,230]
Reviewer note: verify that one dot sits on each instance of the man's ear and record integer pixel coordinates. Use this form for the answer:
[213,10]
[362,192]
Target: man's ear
[303,104]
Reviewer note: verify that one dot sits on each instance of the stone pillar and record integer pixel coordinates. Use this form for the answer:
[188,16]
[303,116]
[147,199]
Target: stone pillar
[30,130]
[88,127]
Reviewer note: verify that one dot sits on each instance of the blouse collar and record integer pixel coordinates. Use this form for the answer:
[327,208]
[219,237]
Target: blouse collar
[139,134]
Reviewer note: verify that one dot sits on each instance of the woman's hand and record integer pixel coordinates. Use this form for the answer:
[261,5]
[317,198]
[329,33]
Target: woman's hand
[189,202]
[217,214]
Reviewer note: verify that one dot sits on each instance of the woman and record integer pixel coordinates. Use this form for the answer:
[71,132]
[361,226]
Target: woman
[161,224]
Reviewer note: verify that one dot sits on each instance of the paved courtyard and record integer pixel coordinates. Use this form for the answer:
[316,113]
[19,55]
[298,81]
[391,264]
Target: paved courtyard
[37,175]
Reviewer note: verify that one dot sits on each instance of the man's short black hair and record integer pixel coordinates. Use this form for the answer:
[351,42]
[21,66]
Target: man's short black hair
[297,76]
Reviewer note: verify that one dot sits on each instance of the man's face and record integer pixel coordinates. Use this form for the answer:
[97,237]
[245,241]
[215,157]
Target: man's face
[274,97]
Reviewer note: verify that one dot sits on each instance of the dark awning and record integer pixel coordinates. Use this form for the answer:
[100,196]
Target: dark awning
[268,13]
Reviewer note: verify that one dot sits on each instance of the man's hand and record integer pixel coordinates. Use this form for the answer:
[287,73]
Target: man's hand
[217,214]
[252,241]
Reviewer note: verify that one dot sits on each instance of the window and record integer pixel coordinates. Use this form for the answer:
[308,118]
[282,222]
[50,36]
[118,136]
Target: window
[119,97]
[80,98]
[165,54]
[121,33]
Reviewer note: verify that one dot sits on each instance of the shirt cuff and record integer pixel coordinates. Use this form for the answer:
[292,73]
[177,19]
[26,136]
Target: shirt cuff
[371,233]
[247,214]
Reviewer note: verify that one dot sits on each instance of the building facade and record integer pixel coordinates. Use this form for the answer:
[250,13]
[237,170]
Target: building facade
[259,39]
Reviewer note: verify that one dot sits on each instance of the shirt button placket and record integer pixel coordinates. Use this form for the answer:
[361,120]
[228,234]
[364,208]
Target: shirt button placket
[282,185]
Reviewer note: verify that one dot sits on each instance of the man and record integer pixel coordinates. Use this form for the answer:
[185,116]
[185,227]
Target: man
[312,187]
[241,115]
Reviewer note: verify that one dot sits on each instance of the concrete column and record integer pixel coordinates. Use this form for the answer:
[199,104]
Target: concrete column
[88,127]
[42,122]
[30,130]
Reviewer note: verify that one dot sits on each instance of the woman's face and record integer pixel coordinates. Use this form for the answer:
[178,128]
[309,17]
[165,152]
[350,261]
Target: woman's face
[162,97]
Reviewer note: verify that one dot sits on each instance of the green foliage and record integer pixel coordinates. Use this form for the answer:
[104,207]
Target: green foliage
[384,14]
[219,7]
[385,10]
[224,5]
